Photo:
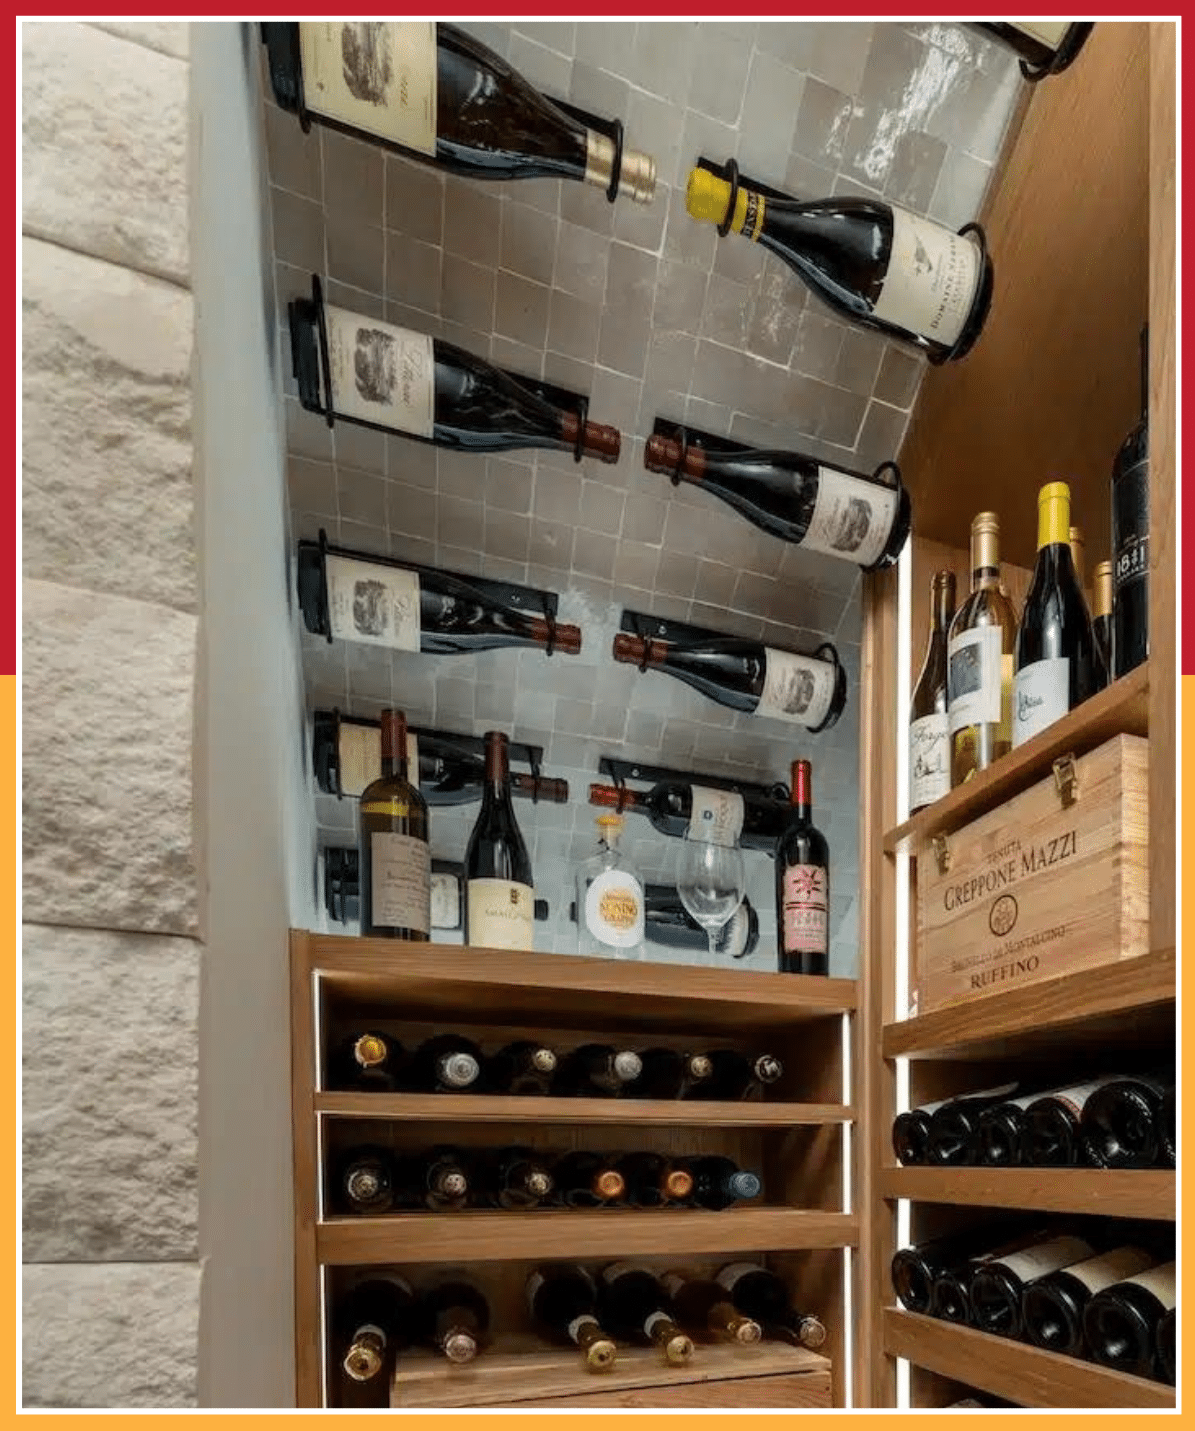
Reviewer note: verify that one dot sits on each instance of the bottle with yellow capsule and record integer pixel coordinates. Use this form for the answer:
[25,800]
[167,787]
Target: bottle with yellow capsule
[610,906]
[872,262]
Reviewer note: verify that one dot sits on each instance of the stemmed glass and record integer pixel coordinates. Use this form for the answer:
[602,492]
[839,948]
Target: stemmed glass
[711,882]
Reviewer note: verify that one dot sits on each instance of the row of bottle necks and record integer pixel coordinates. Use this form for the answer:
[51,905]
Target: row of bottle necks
[380,1316]
[371,1061]
[1100,1294]
[371,1180]
[1111,1121]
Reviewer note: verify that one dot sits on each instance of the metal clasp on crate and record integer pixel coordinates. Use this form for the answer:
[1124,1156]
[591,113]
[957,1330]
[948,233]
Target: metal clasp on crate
[1066,780]
[941,853]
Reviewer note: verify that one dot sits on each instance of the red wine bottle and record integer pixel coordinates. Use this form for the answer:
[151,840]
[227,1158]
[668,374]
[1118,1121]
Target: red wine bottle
[1130,537]
[999,1285]
[446,1063]
[371,1062]
[915,1269]
[437,1179]
[929,725]
[394,856]
[1052,1307]
[666,1073]
[1122,1121]
[373,1321]
[796,498]
[653,1181]
[499,887]
[596,1070]
[803,884]
[448,893]
[562,1301]
[675,809]
[874,263]
[762,1295]
[702,1306]
[1052,1133]
[434,93]
[635,1306]
[747,676]
[736,1077]
[586,1179]
[1120,1324]
[1046,47]
[514,1178]
[954,1126]
[366,1182]
[522,1067]
[455,1318]
[719,1182]
[910,1134]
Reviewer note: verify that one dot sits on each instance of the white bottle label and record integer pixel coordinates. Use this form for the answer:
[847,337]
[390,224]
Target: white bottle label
[381,373]
[1049,32]
[974,672]
[931,280]
[851,518]
[1075,1097]
[1100,1272]
[806,911]
[1040,697]
[929,759]
[614,909]
[400,874]
[376,605]
[1159,1281]
[360,757]
[796,688]
[717,815]
[1049,1256]
[446,901]
[501,914]
[379,76]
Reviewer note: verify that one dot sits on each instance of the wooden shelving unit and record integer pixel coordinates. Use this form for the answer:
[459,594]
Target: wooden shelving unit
[1148,1193]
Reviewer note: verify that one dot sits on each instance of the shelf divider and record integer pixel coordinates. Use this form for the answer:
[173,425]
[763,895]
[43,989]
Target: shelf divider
[1148,1193]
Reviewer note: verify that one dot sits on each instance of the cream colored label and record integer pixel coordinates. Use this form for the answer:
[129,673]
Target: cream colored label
[929,759]
[851,518]
[446,901]
[974,673]
[501,914]
[1100,1272]
[400,877]
[377,605]
[614,909]
[796,688]
[931,280]
[1049,32]
[361,757]
[381,373]
[1159,1281]
[375,75]
[1041,696]
[1046,1257]
[716,816]
[1075,1097]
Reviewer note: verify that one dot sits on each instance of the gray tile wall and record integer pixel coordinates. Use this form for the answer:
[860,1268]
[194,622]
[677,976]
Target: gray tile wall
[650,313]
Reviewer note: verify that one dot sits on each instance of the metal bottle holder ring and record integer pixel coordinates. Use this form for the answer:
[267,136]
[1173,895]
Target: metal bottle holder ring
[828,652]
[325,604]
[682,437]
[983,297]
[317,298]
[730,172]
[616,168]
[1064,56]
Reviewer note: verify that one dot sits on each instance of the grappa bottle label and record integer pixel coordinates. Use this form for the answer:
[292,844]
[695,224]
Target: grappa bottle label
[796,688]
[806,914]
[501,914]
[973,677]
[378,605]
[851,519]
[614,909]
[400,872]
[379,76]
[929,759]
[446,901]
[1041,697]
[381,373]
[716,816]
[931,280]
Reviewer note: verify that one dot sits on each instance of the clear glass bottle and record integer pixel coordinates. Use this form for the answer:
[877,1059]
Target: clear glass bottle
[610,905]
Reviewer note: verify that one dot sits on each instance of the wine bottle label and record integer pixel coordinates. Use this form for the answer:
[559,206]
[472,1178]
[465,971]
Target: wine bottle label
[796,688]
[851,518]
[1099,1272]
[806,916]
[360,756]
[501,914]
[1075,1097]
[377,605]
[1041,696]
[1131,556]
[614,909]
[1159,1281]
[974,671]
[929,759]
[717,815]
[381,373]
[1049,1256]
[931,279]
[1049,32]
[379,76]
[400,873]
[446,901]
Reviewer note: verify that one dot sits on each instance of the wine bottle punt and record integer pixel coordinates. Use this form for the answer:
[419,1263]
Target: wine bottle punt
[374,1320]
[737,1077]
[676,809]
[1120,1324]
[455,1316]
[1101,618]
[998,1286]
[701,1305]
[586,1179]
[1130,537]
[522,1067]
[803,884]
[929,724]
[668,1073]
[435,93]
[446,1063]
[1121,1123]
[954,1126]
[499,887]
[760,1294]
[1167,1346]
[370,1061]
[562,1301]
[719,1182]
[596,1070]
[366,1183]
[802,501]
[394,857]
[910,1134]
[635,1306]
[914,1269]
[872,262]
[1052,1307]
[1053,1125]
[747,676]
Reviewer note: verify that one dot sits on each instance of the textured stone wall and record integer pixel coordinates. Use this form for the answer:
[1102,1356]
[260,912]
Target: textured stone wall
[111,896]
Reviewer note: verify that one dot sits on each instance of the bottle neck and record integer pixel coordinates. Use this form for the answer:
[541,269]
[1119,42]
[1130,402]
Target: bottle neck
[394,744]
[802,790]
[943,607]
[612,798]
[497,769]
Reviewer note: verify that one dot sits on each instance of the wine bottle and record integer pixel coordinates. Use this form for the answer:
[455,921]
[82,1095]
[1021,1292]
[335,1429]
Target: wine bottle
[950,1298]
[746,676]
[701,1305]
[1101,618]
[1121,1123]
[1052,1135]
[596,1070]
[1169,1133]
[735,1077]
[803,884]
[365,1182]
[796,498]
[514,1178]
[394,857]
[1052,1307]
[763,1296]
[369,1061]
[719,1182]
[670,924]
[652,1181]
[1045,46]
[562,1301]
[1166,1345]
[1120,1324]
[915,1269]
[499,888]
[386,604]
[1078,545]
[874,263]
[954,1126]
[721,816]
[999,1284]
[1056,663]
[448,892]
[436,1179]
[1000,1136]
[1130,537]
[668,1074]
[982,655]
[522,1067]
[929,726]
[436,94]
[455,1315]
[636,1307]
[610,897]
[446,1063]
[374,1320]
[585,1179]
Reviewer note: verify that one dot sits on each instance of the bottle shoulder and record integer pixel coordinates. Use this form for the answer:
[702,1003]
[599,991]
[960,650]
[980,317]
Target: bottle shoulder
[988,606]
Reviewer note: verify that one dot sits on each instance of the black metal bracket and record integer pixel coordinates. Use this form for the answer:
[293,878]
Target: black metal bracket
[620,771]
[731,173]
[342,880]
[1064,56]
[611,128]
[284,56]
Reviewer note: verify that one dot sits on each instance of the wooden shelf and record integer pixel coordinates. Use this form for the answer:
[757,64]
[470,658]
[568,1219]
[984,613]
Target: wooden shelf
[1123,708]
[1148,1194]
[1087,1003]
[530,1236]
[673,1113]
[1013,1371]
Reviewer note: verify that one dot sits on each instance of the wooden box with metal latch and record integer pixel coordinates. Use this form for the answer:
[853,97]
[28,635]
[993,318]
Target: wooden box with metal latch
[1056,879]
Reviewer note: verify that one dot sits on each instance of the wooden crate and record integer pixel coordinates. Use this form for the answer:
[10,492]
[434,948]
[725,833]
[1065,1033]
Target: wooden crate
[1054,880]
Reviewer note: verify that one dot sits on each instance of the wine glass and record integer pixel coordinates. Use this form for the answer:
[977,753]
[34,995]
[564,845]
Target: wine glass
[711,882]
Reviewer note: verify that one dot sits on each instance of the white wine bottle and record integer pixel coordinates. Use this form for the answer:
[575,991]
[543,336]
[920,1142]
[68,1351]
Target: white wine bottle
[394,857]
[929,727]
[1056,660]
[981,655]
[499,888]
